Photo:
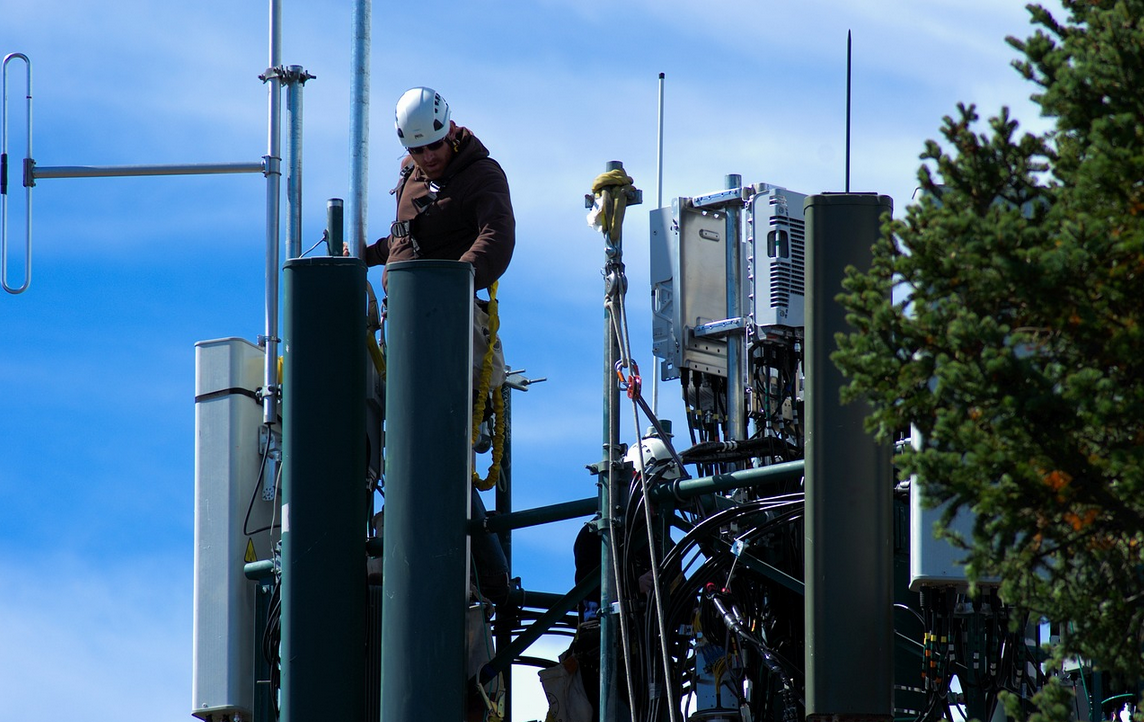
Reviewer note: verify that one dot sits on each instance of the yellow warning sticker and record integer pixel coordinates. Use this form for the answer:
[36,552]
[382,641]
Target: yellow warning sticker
[251,556]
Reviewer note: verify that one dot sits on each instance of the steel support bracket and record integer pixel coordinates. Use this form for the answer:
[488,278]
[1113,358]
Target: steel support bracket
[720,328]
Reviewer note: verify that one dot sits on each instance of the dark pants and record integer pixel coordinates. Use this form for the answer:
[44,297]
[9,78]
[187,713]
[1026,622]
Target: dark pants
[489,562]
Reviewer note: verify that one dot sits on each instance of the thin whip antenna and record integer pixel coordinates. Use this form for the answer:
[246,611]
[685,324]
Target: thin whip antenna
[848,111]
[659,153]
[658,204]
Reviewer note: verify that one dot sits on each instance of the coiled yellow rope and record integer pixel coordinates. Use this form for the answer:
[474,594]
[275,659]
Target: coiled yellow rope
[611,189]
[479,405]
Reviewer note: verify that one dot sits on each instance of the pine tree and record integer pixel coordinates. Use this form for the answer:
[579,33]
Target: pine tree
[1016,347]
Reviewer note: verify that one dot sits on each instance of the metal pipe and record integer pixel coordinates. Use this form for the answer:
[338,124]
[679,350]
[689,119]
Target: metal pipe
[736,379]
[506,521]
[114,171]
[659,152]
[680,490]
[543,623]
[532,599]
[273,172]
[503,504]
[503,493]
[849,487]
[359,126]
[4,181]
[427,490]
[656,361]
[848,111]
[690,488]
[608,488]
[263,569]
[761,567]
[324,495]
[295,78]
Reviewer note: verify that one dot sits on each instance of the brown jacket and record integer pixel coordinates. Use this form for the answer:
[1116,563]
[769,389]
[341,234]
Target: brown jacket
[470,220]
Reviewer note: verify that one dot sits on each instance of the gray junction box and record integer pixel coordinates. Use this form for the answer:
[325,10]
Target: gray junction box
[689,275]
[231,502]
[778,240]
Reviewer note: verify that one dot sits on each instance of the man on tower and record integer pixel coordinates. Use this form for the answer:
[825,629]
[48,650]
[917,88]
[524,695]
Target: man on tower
[452,197]
[453,204]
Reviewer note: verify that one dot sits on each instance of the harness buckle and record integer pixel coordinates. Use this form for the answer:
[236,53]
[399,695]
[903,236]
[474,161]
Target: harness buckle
[399,229]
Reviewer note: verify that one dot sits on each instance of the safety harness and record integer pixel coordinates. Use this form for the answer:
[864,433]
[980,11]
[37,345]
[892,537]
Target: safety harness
[481,403]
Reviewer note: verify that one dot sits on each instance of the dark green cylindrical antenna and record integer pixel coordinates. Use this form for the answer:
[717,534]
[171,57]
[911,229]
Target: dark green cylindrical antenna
[849,487]
[324,496]
[335,226]
[428,476]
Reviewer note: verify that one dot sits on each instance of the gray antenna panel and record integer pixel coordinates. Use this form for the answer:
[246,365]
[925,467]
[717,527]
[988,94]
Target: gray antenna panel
[777,232]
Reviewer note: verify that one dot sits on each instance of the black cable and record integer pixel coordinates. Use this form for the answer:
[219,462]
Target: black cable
[271,642]
[713,569]
[254,495]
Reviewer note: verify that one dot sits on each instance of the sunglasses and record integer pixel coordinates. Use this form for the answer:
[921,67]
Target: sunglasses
[428,147]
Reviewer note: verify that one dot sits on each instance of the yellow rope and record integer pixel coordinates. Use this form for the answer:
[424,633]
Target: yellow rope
[493,476]
[375,353]
[372,326]
[482,397]
[611,188]
[486,364]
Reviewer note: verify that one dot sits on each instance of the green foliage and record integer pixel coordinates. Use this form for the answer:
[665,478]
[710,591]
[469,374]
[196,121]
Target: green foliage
[1018,348]
[1054,704]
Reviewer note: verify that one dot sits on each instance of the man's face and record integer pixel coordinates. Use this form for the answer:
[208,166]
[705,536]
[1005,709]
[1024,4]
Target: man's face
[432,159]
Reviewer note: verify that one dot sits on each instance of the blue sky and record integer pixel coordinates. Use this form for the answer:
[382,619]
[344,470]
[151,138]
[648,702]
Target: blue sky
[97,357]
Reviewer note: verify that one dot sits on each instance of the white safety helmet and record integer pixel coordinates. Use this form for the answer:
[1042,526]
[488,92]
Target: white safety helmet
[655,454]
[422,117]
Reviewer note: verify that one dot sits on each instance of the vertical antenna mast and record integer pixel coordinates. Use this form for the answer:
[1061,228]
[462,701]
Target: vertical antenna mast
[357,208]
[847,111]
[658,204]
[659,152]
[273,209]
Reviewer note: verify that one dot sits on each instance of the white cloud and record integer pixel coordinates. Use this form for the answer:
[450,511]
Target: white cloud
[105,641]
[528,699]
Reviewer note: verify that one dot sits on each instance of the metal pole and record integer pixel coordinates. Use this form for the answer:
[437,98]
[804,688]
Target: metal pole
[679,490]
[324,495]
[273,184]
[427,482]
[114,171]
[657,362]
[608,491]
[295,78]
[556,611]
[683,489]
[659,153]
[848,111]
[503,494]
[849,488]
[503,505]
[563,511]
[736,379]
[359,126]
